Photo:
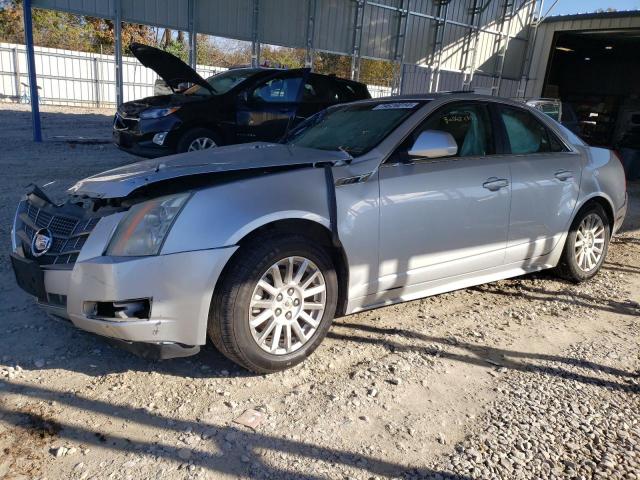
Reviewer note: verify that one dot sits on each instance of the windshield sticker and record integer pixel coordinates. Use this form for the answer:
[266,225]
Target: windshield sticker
[395,106]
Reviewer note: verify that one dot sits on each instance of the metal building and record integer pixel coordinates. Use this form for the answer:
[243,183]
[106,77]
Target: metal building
[590,62]
[435,45]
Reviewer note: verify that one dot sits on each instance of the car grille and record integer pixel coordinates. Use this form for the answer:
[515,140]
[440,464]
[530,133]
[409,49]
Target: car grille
[69,233]
[122,123]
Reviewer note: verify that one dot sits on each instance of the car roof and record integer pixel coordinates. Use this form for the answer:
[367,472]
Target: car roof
[331,76]
[424,97]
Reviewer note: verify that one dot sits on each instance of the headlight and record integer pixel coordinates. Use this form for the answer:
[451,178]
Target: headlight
[143,230]
[158,112]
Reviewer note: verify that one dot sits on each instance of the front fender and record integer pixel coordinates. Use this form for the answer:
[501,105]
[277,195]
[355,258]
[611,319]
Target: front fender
[221,215]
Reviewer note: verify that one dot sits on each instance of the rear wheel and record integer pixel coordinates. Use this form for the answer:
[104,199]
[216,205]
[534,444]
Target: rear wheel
[198,139]
[586,246]
[275,303]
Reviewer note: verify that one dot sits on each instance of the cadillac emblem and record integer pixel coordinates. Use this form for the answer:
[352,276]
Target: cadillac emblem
[41,242]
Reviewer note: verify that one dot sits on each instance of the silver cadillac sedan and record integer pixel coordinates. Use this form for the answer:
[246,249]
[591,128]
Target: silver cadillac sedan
[259,246]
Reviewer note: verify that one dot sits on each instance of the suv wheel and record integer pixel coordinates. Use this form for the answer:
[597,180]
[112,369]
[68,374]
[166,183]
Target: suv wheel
[198,139]
[275,303]
[586,245]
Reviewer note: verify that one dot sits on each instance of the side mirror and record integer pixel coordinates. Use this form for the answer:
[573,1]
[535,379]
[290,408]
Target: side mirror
[434,144]
[243,96]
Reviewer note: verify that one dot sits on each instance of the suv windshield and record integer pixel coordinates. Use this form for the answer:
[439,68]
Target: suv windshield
[355,129]
[223,82]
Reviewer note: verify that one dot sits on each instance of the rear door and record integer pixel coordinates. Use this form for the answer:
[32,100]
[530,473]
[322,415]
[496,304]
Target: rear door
[545,177]
[267,110]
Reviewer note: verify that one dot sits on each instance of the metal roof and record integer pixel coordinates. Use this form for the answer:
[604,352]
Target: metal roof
[592,16]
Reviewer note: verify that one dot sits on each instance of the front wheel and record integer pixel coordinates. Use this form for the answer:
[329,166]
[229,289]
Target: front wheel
[586,245]
[197,139]
[275,303]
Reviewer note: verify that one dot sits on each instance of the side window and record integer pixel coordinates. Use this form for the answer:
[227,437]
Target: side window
[526,134]
[345,92]
[316,90]
[277,90]
[468,123]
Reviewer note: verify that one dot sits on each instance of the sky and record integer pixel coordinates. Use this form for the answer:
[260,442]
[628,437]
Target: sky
[567,7]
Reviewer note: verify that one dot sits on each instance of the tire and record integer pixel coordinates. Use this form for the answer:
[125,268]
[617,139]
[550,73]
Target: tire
[230,313]
[569,266]
[194,134]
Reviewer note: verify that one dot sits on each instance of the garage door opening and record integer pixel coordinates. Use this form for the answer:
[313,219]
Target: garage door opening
[596,75]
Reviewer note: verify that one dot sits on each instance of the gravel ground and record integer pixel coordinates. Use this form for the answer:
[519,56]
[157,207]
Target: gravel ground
[524,378]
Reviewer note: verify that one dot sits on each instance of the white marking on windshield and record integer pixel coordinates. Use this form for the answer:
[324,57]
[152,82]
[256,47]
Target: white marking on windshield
[395,106]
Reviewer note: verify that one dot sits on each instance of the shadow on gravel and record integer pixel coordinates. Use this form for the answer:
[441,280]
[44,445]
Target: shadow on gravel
[567,297]
[241,447]
[620,267]
[628,240]
[484,356]
[66,125]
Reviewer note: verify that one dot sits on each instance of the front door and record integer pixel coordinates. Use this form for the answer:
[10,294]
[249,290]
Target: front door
[448,216]
[267,110]
[546,182]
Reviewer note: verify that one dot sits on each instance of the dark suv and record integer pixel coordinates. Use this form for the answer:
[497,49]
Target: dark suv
[236,106]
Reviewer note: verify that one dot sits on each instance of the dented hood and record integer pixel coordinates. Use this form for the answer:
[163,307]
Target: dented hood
[122,181]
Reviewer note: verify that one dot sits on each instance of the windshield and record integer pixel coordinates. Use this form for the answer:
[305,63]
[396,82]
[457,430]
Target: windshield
[222,82]
[355,129]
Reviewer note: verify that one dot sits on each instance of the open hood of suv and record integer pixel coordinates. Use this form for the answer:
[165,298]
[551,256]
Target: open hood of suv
[168,67]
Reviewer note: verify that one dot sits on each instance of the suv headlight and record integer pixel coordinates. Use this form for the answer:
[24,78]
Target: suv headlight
[143,230]
[158,112]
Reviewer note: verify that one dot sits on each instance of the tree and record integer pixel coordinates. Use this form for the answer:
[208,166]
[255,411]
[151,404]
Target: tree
[65,30]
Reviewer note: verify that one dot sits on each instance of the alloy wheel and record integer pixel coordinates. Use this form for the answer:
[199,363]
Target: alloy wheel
[287,305]
[201,143]
[589,245]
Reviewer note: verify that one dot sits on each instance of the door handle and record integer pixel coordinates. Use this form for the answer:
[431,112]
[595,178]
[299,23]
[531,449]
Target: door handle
[563,175]
[494,183]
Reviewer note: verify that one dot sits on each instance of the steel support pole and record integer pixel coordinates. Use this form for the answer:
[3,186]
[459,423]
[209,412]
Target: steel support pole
[193,36]
[525,69]
[502,43]
[471,45]
[31,63]
[357,38]
[96,79]
[16,72]
[399,45]
[311,20]
[117,18]
[255,40]
[438,45]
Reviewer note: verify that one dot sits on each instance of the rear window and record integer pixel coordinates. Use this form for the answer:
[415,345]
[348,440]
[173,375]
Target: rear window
[526,134]
[350,91]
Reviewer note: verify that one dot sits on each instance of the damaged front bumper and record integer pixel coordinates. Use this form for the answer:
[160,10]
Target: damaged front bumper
[156,306]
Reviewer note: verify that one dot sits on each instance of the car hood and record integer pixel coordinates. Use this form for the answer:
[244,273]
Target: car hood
[121,182]
[168,67]
[133,108]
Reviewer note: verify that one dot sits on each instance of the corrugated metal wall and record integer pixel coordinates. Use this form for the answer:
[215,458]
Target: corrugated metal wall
[285,23]
[547,30]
